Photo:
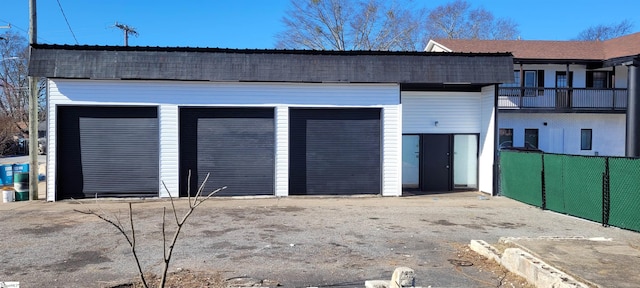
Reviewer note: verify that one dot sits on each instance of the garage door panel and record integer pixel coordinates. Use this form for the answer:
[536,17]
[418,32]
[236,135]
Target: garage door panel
[335,151]
[236,146]
[107,152]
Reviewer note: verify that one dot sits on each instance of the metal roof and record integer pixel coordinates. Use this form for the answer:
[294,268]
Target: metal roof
[215,64]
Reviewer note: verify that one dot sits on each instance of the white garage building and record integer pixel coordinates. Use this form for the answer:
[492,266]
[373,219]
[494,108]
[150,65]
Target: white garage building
[122,120]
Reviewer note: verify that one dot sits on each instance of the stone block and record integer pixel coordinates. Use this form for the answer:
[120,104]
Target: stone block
[402,277]
[376,284]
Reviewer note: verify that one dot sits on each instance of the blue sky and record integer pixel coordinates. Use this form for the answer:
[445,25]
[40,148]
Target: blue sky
[253,23]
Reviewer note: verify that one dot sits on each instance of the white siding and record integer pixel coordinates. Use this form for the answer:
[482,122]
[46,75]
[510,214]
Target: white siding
[608,131]
[51,142]
[392,150]
[222,94]
[487,135]
[455,112]
[169,96]
[282,151]
[169,150]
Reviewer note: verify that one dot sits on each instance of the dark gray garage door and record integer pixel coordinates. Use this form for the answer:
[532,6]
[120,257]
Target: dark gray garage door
[107,151]
[235,145]
[334,151]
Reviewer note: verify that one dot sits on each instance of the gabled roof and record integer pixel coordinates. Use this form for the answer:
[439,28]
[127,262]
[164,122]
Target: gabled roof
[214,64]
[628,45]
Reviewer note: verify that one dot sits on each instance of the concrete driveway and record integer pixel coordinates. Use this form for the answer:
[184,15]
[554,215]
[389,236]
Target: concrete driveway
[297,241]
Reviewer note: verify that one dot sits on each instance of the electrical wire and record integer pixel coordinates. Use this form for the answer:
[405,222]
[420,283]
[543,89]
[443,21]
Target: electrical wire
[65,19]
[23,30]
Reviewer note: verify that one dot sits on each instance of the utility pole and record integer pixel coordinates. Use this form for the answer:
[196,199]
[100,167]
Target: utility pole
[128,30]
[33,108]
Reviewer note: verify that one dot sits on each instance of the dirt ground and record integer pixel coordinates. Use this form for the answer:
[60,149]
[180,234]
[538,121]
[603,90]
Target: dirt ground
[466,259]
[293,242]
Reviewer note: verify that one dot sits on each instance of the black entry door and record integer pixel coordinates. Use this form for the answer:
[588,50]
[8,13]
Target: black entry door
[436,163]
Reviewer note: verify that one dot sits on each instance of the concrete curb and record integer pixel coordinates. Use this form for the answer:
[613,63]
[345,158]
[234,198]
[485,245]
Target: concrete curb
[522,263]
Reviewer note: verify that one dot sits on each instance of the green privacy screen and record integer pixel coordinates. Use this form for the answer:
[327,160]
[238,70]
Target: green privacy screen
[624,193]
[554,182]
[582,179]
[600,189]
[520,176]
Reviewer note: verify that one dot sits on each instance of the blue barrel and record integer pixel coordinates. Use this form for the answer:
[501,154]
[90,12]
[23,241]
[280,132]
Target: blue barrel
[20,168]
[6,174]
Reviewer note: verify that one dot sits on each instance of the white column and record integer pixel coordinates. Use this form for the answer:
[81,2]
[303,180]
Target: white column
[169,150]
[282,151]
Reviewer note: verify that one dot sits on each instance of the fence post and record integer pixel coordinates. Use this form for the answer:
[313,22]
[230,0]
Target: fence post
[544,190]
[606,193]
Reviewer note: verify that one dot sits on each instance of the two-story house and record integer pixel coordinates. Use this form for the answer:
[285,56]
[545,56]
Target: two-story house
[568,96]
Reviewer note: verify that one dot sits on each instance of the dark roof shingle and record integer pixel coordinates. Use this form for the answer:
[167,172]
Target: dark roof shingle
[211,64]
[628,45]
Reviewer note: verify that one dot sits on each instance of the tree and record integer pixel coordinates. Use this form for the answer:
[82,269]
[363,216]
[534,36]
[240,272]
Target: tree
[605,32]
[14,82]
[384,25]
[350,25]
[456,20]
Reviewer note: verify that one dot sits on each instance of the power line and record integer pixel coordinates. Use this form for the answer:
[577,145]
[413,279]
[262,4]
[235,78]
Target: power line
[65,19]
[23,30]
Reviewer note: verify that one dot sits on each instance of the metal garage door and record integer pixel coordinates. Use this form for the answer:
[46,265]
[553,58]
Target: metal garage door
[335,151]
[107,151]
[235,145]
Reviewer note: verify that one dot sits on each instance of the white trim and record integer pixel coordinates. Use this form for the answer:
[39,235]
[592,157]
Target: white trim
[169,135]
[282,151]
[433,46]
[487,147]
[392,150]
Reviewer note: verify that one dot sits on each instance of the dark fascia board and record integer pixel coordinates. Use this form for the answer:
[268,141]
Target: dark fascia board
[256,65]
[591,64]
[627,60]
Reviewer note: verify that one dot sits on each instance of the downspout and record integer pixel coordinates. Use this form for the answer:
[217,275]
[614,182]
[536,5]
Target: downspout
[633,110]
[496,135]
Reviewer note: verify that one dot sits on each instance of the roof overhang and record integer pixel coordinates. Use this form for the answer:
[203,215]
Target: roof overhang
[433,46]
[214,64]
[633,60]
[591,64]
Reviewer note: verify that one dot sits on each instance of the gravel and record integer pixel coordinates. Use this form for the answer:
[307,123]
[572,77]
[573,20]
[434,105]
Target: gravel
[296,241]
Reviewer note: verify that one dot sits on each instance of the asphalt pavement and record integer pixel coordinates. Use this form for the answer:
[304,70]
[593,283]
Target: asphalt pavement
[304,241]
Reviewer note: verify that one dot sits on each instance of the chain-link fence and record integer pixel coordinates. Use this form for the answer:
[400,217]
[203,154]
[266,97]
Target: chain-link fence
[601,189]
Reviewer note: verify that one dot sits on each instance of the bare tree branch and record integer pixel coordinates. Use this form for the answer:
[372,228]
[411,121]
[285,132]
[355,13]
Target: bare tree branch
[14,83]
[192,206]
[131,240]
[605,32]
[456,20]
[167,251]
[350,25]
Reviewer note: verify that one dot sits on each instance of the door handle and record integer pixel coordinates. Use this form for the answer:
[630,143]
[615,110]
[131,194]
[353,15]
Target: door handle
[447,166]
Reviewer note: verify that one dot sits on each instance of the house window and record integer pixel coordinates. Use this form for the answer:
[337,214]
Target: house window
[598,79]
[585,139]
[531,138]
[533,82]
[516,80]
[506,138]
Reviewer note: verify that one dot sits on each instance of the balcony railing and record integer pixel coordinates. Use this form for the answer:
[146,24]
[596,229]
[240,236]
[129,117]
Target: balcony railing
[562,99]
